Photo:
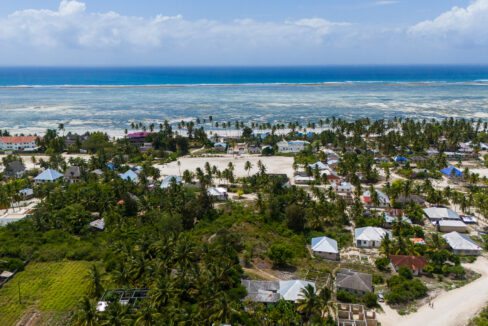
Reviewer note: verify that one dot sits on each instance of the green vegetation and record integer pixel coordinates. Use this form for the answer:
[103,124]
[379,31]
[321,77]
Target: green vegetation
[53,288]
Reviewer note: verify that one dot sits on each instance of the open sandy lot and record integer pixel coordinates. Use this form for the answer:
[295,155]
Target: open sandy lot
[27,159]
[273,164]
[452,308]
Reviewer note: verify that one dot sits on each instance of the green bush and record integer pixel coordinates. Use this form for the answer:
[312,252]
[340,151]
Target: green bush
[280,254]
[370,299]
[382,263]
[347,297]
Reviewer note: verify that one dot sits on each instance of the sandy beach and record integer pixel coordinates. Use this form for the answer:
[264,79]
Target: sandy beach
[273,164]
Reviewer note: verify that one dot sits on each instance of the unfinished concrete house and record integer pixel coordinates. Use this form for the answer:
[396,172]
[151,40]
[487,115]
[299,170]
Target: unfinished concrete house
[355,315]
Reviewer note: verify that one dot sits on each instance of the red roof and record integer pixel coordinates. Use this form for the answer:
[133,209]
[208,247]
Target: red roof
[140,134]
[18,140]
[367,199]
[415,263]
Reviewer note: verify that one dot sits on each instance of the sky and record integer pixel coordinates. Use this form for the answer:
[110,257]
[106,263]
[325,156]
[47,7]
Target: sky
[245,32]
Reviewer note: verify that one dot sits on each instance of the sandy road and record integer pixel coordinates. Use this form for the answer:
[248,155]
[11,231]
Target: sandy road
[452,308]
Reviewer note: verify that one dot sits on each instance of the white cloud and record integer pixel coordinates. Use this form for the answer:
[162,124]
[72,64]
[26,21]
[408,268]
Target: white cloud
[460,25]
[72,26]
[384,3]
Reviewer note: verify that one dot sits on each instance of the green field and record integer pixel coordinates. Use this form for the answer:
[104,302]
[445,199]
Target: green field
[51,289]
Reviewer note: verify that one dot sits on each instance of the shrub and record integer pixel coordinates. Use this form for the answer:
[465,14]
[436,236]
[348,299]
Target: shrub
[347,297]
[378,279]
[405,272]
[382,263]
[370,299]
[280,254]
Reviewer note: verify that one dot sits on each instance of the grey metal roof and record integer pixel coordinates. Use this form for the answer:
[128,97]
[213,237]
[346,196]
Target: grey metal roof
[350,279]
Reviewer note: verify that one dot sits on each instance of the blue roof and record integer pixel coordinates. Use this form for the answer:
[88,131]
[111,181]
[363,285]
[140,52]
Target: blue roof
[129,175]
[309,134]
[220,144]
[167,181]
[451,171]
[48,175]
[110,166]
[400,159]
[26,191]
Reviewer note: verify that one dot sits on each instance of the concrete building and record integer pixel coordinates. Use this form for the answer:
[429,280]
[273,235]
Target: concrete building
[461,244]
[435,214]
[415,263]
[354,282]
[325,247]
[370,236]
[18,143]
[452,225]
[355,315]
[294,146]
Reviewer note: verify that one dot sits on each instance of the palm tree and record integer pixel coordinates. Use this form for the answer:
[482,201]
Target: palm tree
[324,304]
[86,315]
[146,316]
[309,302]
[61,128]
[95,288]
[386,245]
[248,167]
[115,315]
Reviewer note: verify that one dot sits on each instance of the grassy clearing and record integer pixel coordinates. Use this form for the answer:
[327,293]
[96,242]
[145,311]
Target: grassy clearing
[51,288]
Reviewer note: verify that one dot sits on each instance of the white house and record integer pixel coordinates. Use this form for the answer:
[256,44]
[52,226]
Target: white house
[461,244]
[343,187]
[325,247]
[294,146]
[18,143]
[370,236]
[292,290]
[218,193]
[303,179]
[319,165]
[452,225]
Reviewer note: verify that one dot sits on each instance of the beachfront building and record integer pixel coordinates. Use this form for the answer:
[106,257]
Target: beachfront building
[370,236]
[18,143]
[294,146]
[461,244]
[238,149]
[325,247]
[138,139]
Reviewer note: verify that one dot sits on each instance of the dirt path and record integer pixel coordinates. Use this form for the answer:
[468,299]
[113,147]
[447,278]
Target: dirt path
[260,272]
[452,308]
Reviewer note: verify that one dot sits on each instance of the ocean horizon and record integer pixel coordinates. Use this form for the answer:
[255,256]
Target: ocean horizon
[33,99]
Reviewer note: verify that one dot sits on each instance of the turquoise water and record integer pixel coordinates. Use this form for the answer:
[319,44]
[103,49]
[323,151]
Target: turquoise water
[33,99]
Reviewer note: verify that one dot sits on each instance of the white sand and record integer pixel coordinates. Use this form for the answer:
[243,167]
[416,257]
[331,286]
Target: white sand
[452,308]
[273,164]
[27,159]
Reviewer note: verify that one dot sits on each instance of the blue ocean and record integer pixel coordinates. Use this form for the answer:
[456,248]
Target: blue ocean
[109,99]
